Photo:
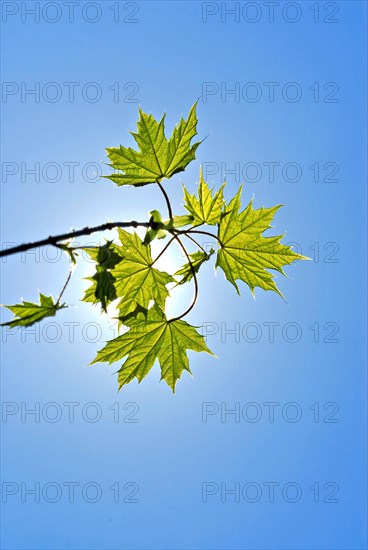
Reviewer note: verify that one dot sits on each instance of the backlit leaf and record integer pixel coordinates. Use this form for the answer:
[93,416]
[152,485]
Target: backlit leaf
[28,313]
[157,157]
[150,338]
[245,253]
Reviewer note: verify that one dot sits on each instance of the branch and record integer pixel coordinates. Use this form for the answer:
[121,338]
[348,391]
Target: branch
[65,236]
[166,199]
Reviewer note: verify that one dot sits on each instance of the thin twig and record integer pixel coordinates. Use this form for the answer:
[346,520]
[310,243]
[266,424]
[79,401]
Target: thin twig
[166,199]
[195,242]
[195,283]
[202,233]
[66,283]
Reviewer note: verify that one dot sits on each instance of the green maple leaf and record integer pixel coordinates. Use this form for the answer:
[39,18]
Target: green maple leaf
[197,259]
[206,208]
[157,157]
[137,282]
[102,289]
[245,253]
[28,313]
[149,338]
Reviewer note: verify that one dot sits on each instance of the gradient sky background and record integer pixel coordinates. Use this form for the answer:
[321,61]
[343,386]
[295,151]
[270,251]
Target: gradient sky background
[161,54]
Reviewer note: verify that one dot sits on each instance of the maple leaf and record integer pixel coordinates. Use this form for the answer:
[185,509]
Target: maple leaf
[149,338]
[205,208]
[245,253]
[28,313]
[197,259]
[157,157]
[136,280]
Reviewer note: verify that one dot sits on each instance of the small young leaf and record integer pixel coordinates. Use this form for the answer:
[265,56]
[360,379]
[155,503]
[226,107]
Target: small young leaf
[157,157]
[197,258]
[157,229]
[150,338]
[28,313]
[245,253]
[206,208]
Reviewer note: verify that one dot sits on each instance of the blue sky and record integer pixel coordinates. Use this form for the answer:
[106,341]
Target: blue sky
[293,132]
